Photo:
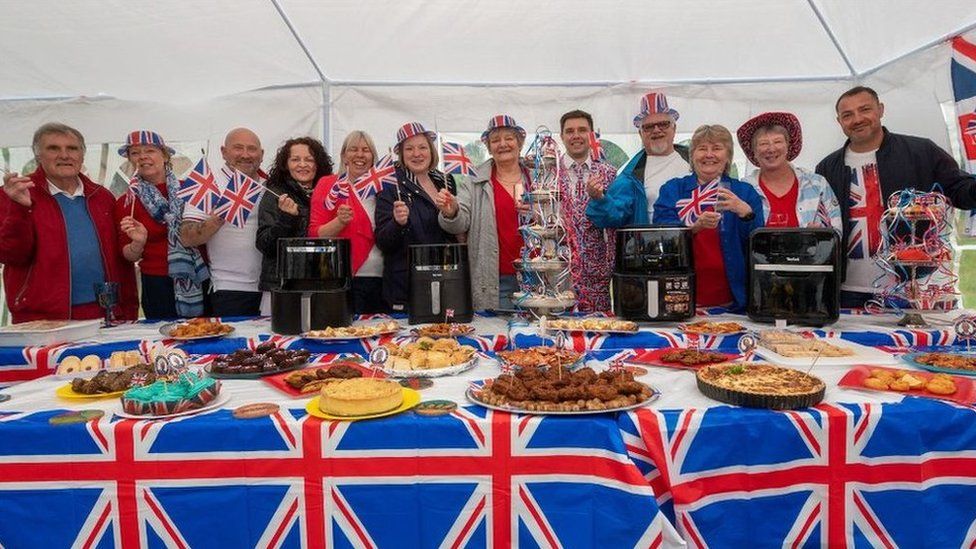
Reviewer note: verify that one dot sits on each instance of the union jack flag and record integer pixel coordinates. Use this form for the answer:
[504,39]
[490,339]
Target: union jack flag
[837,475]
[702,200]
[240,197]
[473,478]
[371,182]
[456,161]
[963,73]
[866,209]
[199,189]
[596,148]
[823,216]
[339,191]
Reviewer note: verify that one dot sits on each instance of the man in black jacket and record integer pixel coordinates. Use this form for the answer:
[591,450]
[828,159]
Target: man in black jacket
[873,164]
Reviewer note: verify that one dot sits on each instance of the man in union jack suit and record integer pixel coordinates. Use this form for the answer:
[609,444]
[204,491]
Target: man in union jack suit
[592,247]
[873,164]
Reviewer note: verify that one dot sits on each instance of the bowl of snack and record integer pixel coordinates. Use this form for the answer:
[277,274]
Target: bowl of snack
[195,328]
[428,357]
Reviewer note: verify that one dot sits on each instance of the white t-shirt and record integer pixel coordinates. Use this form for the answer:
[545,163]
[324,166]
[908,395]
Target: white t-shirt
[659,170]
[235,262]
[866,208]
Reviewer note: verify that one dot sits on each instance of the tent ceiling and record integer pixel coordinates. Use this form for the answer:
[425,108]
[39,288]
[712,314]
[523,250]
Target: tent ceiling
[185,50]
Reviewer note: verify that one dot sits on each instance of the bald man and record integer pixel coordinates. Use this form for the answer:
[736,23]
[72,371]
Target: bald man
[235,262]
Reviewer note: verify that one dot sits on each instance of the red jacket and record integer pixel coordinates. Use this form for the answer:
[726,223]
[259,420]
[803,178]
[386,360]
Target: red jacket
[359,231]
[34,253]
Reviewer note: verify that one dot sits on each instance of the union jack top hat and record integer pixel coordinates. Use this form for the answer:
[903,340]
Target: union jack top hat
[654,103]
[501,121]
[411,129]
[144,137]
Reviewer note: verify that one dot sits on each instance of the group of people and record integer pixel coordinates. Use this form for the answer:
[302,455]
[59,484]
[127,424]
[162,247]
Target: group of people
[56,221]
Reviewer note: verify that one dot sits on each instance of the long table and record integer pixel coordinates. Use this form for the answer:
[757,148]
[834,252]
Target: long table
[859,469]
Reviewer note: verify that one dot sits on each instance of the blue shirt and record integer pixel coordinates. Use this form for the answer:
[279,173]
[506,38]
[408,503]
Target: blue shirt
[84,252]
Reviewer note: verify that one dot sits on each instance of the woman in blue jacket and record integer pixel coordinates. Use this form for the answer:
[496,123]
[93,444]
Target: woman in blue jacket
[721,212]
[406,213]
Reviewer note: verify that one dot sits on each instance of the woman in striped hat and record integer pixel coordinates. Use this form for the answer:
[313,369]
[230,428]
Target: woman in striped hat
[487,209]
[174,278]
[406,213]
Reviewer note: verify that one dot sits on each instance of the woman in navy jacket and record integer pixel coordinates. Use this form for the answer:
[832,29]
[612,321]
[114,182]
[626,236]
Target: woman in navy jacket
[406,213]
[721,212]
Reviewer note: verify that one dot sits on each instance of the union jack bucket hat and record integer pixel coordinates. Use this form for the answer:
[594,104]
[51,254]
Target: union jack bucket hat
[144,137]
[785,119]
[411,129]
[654,103]
[501,121]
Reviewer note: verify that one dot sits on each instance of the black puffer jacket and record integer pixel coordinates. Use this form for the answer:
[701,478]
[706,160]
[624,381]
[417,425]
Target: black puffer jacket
[274,224]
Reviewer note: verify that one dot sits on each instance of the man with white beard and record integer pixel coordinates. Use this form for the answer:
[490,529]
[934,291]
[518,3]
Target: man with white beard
[630,198]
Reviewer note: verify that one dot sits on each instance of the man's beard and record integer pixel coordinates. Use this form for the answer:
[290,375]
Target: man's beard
[660,148]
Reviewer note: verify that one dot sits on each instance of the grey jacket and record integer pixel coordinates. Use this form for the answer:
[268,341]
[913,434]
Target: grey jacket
[476,215]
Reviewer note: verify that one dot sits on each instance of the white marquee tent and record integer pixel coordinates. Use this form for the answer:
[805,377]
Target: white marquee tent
[192,70]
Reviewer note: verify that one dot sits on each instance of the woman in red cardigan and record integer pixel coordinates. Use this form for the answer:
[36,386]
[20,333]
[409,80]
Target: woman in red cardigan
[337,211]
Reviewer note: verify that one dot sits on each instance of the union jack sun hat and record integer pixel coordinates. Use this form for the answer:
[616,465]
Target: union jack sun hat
[144,137]
[411,129]
[501,121]
[654,103]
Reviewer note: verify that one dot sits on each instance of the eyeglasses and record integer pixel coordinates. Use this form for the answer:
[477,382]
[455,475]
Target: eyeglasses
[663,126]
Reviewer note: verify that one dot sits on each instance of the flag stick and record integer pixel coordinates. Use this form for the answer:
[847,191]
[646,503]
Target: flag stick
[132,209]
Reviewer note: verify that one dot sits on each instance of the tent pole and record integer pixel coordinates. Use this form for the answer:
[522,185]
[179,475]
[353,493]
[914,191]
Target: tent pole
[961,30]
[594,83]
[832,36]
[326,114]
[298,38]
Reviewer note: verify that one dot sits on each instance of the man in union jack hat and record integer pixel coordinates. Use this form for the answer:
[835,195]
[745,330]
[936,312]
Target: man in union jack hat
[630,198]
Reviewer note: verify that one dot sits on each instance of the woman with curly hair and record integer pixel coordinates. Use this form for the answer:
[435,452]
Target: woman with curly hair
[299,163]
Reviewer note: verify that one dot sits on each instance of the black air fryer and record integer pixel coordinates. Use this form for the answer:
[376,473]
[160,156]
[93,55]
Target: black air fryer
[315,279]
[654,274]
[794,274]
[440,284]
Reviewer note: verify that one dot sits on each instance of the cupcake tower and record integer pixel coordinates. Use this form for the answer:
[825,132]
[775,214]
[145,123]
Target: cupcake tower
[916,255]
[543,268]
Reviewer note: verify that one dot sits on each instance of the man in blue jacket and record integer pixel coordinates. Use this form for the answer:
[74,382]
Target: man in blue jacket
[630,198]
[873,164]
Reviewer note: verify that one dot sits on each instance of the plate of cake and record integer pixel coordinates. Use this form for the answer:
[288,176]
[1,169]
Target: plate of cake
[362,398]
[793,349]
[107,383]
[187,394]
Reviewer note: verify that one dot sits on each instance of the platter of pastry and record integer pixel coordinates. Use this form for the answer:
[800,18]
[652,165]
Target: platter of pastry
[47,332]
[444,329]
[362,398]
[963,364]
[540,356]
[428,357]
[760,385]
[558,391]
[792,349]
[709,328]
[911,383]
[346,333]
[684,359]
[595,325]
[308,381]
[105,383]
[195,328]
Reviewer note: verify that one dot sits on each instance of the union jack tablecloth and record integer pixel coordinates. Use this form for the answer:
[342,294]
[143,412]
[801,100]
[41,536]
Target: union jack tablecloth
[470,479]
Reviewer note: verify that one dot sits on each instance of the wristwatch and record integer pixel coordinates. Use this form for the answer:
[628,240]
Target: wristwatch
[748,217]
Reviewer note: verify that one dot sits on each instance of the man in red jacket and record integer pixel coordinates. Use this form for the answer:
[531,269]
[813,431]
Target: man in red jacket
[59,236]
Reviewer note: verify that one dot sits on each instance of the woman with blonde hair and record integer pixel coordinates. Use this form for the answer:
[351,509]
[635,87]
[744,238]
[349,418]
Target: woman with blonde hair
[721,212]
[337,211]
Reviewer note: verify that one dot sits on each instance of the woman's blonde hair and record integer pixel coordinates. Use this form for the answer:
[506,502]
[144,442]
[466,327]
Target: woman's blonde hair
[354,136]
[714,133]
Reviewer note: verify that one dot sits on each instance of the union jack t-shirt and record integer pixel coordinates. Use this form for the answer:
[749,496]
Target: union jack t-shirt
[866,205]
